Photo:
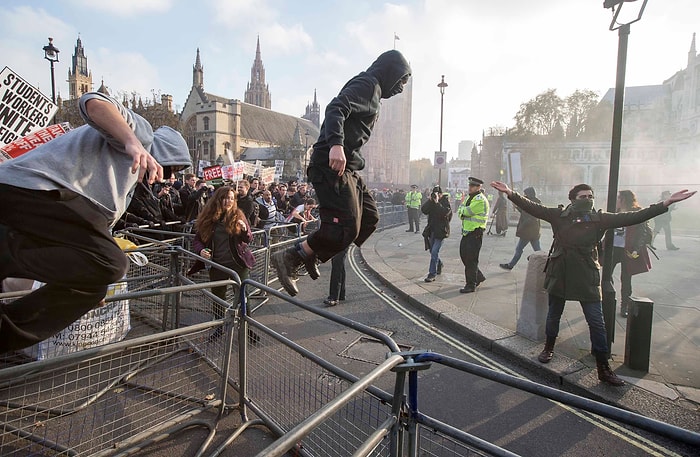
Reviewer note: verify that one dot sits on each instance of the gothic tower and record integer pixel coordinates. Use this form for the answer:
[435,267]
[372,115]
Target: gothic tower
[79,77]
[258,93]
[198,72]
[313,112]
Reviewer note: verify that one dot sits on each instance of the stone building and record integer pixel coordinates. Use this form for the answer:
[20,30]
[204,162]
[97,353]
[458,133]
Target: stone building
[79,77]
[222,129]
[660,146]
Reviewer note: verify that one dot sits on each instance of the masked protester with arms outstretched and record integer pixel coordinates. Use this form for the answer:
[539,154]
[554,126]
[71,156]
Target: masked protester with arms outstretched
[573,271]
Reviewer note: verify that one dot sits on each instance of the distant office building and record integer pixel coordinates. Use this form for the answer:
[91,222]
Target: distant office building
[388,152]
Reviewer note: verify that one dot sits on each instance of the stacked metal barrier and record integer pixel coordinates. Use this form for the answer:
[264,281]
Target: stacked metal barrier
[113,398]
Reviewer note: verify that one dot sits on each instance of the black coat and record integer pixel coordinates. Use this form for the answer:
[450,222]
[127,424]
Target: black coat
[439,217]
[528,225]
[573,270]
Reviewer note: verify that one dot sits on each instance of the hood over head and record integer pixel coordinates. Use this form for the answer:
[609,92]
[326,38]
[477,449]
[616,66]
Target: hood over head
[389,69]
[530,192]
[170,150]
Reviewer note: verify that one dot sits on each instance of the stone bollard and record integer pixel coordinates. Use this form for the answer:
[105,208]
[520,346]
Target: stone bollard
[534,304]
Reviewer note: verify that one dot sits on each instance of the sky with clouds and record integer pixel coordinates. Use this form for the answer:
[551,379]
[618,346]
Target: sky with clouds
[494,54]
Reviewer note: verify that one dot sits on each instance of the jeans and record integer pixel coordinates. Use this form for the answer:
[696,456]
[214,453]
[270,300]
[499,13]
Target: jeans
[520,247]
[435,245]
[593,312]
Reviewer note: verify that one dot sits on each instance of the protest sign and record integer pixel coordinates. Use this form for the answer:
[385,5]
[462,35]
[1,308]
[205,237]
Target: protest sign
[267,175]
[25,144]
[23,109]
[279,169]
[238,170]
[211,173]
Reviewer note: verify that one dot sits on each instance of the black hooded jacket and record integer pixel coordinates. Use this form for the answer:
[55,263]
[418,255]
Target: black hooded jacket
[351,115]
[528,226]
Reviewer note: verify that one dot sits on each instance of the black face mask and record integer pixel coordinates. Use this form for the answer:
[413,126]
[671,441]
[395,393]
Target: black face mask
[582,206]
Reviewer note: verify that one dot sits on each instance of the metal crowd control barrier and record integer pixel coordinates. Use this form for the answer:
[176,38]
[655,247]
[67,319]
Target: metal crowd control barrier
[182,367]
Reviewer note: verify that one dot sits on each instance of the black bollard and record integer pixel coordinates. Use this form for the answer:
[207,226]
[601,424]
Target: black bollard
[638,340]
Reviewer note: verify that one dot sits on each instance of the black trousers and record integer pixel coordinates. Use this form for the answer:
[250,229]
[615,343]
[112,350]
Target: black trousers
[347,209]
[469,249]
[413,219]
[63,240]
[337,283]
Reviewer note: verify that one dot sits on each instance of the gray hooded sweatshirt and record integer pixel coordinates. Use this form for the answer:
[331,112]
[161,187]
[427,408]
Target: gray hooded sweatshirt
[93,164]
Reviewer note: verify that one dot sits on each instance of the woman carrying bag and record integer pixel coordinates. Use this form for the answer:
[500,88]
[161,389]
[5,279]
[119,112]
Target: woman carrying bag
[222,235]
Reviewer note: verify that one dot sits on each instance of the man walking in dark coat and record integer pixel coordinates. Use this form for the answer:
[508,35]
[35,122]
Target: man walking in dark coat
[573,271]
[439,213]
[528,231]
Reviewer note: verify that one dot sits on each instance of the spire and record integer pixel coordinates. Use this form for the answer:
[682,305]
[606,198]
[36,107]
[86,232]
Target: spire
[315,99]
[692,54]
[296,136]
[258,92]
[103,88]
[198,72]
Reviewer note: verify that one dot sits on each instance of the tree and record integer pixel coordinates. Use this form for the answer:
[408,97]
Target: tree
[540,115]
[577,111]
[550,115]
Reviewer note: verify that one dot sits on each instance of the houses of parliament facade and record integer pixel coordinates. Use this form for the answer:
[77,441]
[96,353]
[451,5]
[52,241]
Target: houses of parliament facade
[221,129]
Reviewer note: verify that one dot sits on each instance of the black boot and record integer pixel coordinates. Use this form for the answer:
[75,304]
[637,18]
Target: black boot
[287,263]
[605,374]
[548,351]
[311,265]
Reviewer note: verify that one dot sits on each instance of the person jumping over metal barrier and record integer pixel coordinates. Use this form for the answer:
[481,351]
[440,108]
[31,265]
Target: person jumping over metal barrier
[348,212]
[57,205]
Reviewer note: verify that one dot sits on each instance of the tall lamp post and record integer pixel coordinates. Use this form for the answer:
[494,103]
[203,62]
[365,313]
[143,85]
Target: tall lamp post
[51,54]
[634,13]
[306,148]
[442,86]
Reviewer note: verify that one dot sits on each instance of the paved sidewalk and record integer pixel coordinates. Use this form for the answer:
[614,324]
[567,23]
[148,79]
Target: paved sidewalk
[490,314]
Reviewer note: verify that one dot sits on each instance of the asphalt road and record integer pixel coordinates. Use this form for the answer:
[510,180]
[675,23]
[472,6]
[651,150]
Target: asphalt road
[520,422]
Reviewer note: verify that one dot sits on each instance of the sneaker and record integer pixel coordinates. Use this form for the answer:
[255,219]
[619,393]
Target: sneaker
[439,268]
[286,263]
[409,230]
[467,289]
[673,248]
[430,278]
[505,266]
[330,302]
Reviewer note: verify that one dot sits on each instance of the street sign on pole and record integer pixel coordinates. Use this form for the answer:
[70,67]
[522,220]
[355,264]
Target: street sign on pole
[440,160]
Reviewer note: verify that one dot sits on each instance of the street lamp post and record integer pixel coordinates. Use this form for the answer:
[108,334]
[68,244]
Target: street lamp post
[442,86]
[51,54]
[623,28]
[306,148]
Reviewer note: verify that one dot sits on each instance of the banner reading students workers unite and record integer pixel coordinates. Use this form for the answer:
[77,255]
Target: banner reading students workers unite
[23,109]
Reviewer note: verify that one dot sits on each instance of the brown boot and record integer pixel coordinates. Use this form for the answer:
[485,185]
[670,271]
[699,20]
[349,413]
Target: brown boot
[606,375]
[548,351]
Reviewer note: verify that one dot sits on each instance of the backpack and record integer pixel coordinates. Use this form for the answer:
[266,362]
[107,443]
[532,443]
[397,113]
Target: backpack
[646,233]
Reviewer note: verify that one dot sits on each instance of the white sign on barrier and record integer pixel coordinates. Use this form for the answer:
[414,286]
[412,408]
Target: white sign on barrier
[23,109]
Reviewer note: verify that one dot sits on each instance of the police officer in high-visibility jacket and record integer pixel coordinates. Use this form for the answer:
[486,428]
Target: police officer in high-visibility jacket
[473,214]
[413,202]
